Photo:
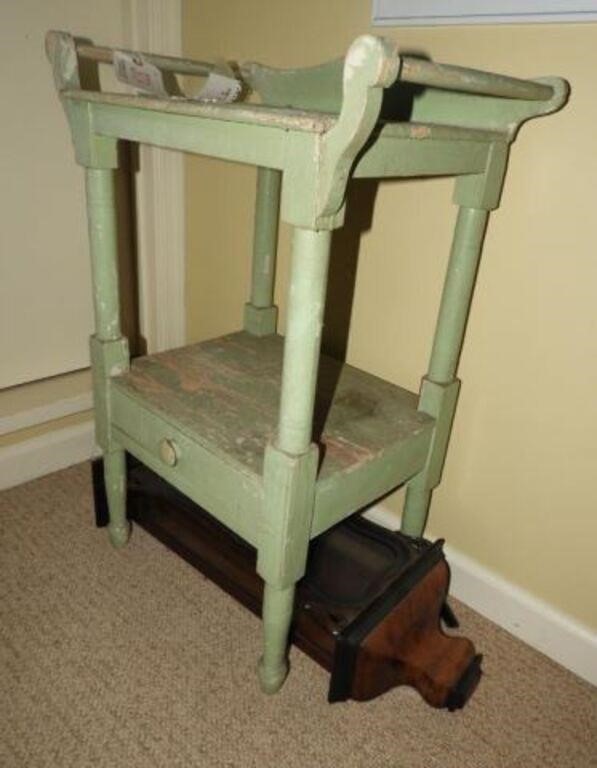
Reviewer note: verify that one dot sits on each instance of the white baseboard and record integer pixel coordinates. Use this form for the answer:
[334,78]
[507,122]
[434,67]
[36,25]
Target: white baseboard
[44,413]
[525,616]
[47,453]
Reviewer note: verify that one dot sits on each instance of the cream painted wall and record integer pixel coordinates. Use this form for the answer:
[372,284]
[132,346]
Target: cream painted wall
[45,286]
[518,493]
[43,240]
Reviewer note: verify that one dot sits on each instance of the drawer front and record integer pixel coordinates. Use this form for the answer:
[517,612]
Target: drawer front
[230,494]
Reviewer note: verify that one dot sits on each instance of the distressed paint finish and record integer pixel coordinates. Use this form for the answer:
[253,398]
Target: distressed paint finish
[103,246]
[447,345]
[109,350]
[275,440]
[316,149]
[291,458]
[218,401]
[225,395]
[306,298]
[108,358]
[260,313]
[288,502]
[466,80]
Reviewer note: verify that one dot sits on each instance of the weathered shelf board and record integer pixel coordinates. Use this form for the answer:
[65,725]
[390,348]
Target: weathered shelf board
[224,395]
[218,403]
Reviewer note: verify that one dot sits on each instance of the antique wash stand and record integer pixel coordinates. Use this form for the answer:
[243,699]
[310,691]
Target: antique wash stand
[230,422]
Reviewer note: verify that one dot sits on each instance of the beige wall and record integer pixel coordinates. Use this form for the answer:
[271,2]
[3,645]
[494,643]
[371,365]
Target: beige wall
[43,256]
[518,494]
[45,284]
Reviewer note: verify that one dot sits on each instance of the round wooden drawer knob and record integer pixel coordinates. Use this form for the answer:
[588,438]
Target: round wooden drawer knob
[168,452]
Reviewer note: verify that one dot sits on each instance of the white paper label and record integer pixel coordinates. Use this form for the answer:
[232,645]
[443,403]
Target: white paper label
[219,88]
[134,69]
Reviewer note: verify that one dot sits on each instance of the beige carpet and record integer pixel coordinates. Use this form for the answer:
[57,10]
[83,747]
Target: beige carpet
[132,659]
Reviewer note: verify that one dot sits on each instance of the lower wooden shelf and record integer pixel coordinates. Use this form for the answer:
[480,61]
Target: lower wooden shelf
[217,402]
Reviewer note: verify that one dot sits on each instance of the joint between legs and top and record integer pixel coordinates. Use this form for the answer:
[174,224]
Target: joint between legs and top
[289,497]
[108,358]
[260,321]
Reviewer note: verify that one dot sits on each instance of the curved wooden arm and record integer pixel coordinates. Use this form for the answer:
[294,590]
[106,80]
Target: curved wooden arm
[62,53]
[371,64]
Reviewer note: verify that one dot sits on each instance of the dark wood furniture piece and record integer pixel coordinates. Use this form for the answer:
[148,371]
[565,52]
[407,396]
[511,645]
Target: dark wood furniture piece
[368,609]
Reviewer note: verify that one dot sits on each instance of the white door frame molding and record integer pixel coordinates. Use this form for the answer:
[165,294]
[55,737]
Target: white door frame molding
[156,25]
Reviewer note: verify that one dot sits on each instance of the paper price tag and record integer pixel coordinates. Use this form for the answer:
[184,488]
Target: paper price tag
[134,69]
[219,88]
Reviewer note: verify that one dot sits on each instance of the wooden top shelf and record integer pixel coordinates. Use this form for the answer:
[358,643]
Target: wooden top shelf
[301,120]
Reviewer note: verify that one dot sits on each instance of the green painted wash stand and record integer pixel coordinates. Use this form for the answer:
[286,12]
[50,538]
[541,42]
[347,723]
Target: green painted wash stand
[276,441]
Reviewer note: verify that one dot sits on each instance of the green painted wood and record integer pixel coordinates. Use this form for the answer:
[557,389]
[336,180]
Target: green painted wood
[288,501]
[457,293]
[115,479]
[109,351]
[439,401]
[265,240]
[447,345]
[420,71]
[103,246]
[260,321]
[91,150]
[340,495]
[233,498]
[237,112]
[62,54]
[388,156]
[277,614]
[316,88]
[278,442]
[260,313]
[108,359]
[486,112]
[306,301]
[243,142]
[483,190]
[291,459]
[371,65]
[225,395]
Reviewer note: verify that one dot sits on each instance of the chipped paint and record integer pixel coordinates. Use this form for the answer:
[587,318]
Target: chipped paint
[419,132]
[225,394]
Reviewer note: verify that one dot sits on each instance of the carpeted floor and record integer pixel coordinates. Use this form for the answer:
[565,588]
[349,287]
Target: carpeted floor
[132,659]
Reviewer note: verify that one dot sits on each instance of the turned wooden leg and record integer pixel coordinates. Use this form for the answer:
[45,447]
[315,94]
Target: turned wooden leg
[260,313]
[108,348]
[440,387]
[278,604]
[290,461]
[115,477]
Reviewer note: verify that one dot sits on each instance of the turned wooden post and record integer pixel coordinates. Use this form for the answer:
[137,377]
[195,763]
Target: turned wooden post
[260,313]
[290,464]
